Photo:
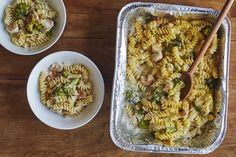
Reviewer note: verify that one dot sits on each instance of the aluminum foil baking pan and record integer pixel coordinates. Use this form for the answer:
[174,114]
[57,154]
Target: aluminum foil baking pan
[129,140]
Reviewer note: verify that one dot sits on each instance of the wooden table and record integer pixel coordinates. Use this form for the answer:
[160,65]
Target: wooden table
[90,29]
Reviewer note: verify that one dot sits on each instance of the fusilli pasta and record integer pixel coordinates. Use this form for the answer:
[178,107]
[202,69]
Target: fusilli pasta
[66,89]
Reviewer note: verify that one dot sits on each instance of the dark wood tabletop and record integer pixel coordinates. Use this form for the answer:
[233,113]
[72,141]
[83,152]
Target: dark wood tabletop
[90,30]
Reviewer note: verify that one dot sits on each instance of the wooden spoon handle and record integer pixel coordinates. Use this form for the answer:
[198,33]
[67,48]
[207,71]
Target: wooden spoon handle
[210,37]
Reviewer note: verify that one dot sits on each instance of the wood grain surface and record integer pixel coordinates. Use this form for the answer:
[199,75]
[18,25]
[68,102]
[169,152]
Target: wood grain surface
[91,30]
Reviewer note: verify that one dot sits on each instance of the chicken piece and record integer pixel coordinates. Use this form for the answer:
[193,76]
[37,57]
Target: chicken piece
[56,68]
[168,86]
[13,28]
[147,80]
[157,52]
[157,56]
[48,24]
[157,47]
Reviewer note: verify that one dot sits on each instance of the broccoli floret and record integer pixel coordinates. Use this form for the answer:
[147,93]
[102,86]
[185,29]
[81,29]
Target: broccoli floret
[30,27]
[67,90]
[33,25]
[176,81]
[141,111]
[176,42]
[38,26]
[66,73]
[21,10]
[157,96]
[132,96]
[71,87]
[168,46]
[143,124]
[59,92]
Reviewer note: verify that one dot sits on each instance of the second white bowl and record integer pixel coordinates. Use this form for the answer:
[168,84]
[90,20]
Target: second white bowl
[53,119]
[58,29]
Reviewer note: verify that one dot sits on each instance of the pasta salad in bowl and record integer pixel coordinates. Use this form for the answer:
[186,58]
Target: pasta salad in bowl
[31,26]
[65,90]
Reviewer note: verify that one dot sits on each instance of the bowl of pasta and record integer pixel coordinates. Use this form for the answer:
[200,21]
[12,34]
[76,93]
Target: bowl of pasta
[65,90]
[30,27]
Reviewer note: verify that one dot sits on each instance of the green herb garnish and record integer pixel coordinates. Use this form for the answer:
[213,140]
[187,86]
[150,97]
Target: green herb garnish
[21,10]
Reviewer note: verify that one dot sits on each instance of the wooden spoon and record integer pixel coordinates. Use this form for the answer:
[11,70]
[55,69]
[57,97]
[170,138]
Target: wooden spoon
[187,77]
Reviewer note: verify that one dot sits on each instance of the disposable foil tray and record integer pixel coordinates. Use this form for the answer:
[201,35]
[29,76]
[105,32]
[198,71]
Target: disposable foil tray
[121,135]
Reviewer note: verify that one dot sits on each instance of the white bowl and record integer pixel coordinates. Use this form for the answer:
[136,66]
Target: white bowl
[58,29]
[53,119]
